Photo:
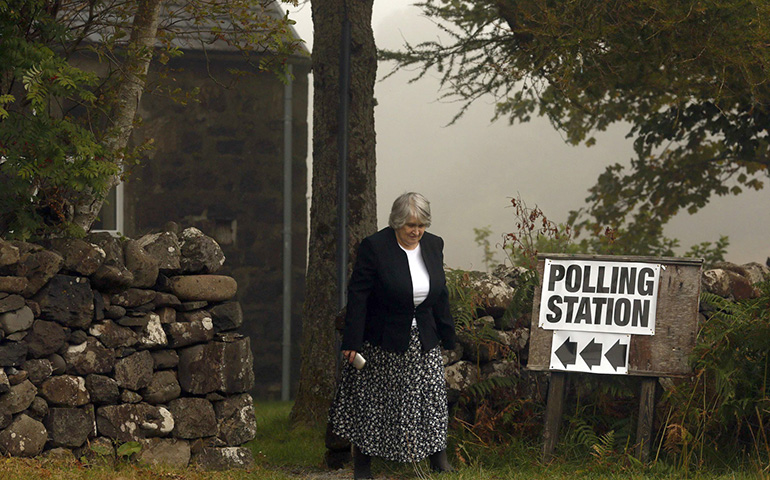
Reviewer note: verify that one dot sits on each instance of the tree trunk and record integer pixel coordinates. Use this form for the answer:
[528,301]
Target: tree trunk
[319,351]
[129,93]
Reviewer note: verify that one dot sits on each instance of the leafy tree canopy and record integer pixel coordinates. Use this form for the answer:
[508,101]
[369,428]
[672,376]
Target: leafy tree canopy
[58,121]
[690,77]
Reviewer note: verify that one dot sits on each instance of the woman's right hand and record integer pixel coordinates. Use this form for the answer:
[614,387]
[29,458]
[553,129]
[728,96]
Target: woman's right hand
[349,355]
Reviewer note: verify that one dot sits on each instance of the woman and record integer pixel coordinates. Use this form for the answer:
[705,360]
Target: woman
[395,407]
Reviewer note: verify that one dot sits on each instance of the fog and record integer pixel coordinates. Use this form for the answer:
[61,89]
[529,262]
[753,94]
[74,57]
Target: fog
[471,169]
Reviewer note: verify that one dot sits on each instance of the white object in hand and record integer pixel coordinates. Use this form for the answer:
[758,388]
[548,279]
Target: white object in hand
[359,361]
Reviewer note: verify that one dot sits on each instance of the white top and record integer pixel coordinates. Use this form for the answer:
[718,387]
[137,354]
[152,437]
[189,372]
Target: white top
[420,277]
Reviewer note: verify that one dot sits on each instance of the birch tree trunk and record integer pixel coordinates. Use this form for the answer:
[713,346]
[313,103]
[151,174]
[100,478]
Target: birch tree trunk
[144,30]
[319,351]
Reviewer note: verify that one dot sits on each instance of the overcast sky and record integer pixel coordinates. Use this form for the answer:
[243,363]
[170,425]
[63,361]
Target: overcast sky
[469,171]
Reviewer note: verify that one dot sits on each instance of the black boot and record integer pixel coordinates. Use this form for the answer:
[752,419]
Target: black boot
[439,462]
[362,464]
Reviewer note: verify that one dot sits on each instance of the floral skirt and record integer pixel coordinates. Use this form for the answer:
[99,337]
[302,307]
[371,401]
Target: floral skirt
[396,406]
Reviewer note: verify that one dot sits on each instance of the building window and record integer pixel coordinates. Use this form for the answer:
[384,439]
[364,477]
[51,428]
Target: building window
[110,217]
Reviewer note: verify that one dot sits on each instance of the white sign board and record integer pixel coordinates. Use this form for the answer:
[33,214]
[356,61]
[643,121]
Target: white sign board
[590,352]
[599,296]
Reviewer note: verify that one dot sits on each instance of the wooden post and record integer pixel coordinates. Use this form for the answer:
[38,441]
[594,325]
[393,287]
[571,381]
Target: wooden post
[646,415]
[553,413]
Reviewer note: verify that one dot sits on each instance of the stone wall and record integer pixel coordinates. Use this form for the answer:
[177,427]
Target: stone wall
[497,345]
[105,341]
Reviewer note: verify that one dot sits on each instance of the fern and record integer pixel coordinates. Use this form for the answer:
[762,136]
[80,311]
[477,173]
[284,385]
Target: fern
[604,446]
[485,387]
[463,300]
[523,296]
[724,406]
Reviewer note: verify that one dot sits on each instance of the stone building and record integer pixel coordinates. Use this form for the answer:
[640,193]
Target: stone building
[218,165]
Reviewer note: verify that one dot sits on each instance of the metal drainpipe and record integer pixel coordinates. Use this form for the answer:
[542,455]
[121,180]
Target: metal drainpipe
[287,205]
[343,116]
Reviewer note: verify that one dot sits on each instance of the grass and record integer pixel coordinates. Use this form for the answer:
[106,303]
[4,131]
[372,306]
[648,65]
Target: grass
[277,446]
[282,453]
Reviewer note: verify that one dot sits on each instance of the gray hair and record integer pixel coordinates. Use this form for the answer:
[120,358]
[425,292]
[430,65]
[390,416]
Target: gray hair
[406,205]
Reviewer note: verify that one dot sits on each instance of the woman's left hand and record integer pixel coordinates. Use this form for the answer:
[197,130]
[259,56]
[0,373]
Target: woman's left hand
[349,355]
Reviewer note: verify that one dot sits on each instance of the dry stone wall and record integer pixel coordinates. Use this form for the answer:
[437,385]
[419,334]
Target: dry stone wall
[105,341]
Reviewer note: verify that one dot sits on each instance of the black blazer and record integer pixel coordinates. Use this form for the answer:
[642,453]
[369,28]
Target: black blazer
[380,298]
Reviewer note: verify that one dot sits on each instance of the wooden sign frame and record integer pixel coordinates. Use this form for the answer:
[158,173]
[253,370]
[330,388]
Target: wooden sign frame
[664,354]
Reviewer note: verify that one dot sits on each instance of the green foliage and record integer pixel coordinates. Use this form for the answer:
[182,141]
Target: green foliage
[690,78]
[710,253]
[46,155]
[55,117]
[482,240]
[523,296]
[485,387]
[724,407]
[128,449]
[600,446]
[464,301]
[601,412]
[535,233]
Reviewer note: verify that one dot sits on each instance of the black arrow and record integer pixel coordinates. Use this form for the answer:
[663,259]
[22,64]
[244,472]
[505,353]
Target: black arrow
[617,355]
[567,353]
[592,354]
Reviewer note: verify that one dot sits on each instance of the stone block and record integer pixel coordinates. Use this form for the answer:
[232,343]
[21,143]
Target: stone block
[112,335]
[10,303]
[38,268]
[461,375]
[13,284]
[165,359]
[168,452]
[182,334]
[9,254]
[17,320]
[141,264]
[80,257]
[226,458]
[12,354]
[163,388]
[46,337]
[69,427]
[153,335]
[38,409]
[89,357]
[133,297]
[199,253]
[227,367]
[65,390]
[103,390]
[38,369]
[193,418]
[5,385]
[132,422]
[135,371]
[236,421]
[226,316]
[24,437]
[67,300]
[209,288]
[18,398]
[112,278]
[164,247]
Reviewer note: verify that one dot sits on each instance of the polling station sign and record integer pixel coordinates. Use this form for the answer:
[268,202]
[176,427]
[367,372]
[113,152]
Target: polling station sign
[599,296]
[615,314]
